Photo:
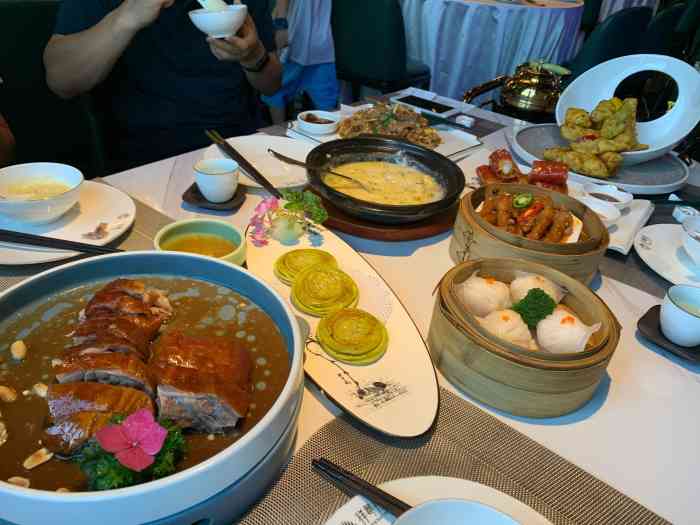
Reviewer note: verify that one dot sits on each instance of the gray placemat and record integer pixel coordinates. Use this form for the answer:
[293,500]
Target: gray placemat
[139,237]
[466,443]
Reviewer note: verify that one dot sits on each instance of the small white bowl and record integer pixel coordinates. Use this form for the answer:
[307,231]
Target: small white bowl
[41,210]
[608,213]
[315,128]
[622,198]
[454,512]
[217,179]
[680,315]
[220,24]
[691,238]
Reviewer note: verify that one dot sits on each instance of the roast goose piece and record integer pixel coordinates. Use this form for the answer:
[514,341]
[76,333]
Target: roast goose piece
[78,410]
[122,369]
[203,383]
[107,344]
[129,297]
[137,331]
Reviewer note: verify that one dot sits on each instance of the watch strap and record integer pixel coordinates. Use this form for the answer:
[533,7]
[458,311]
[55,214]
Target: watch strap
[259,65]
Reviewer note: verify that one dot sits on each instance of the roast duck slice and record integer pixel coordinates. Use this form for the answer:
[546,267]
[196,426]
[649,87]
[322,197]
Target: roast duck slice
[203,383]
[122,369]
[78,410]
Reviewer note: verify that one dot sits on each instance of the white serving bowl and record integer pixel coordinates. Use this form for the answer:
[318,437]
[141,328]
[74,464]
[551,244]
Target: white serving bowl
[662,134]
[217,179]
[454,512]
[39,211]
[680,315]
[197,488]
[622,198]
[608,213]
[220,24]
[318,129]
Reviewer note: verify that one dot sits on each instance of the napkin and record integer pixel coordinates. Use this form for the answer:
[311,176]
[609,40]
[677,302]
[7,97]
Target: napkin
[360,511]
[633,219]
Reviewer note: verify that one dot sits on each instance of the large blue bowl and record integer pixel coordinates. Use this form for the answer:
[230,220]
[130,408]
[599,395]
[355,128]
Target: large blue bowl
[235,470]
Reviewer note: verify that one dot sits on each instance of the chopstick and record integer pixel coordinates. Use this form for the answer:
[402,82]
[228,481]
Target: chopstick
[59,244]
[231,153]
[354,486]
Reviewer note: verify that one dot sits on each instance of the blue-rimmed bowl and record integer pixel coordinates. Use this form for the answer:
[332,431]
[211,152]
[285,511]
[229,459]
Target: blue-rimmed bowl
[215,490]
[215,227]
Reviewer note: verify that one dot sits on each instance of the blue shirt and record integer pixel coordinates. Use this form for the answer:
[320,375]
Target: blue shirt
[167,86]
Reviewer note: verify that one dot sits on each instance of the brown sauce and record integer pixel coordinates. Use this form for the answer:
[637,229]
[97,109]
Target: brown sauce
[200,309]
[604,197]
[316,119]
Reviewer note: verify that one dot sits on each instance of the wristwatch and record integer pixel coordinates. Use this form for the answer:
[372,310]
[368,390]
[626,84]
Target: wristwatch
[280,24]
[260,64]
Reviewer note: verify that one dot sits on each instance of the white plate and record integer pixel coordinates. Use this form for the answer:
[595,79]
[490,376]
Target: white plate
[98,203]
[254,149]
[661,247]
[660,175]
[425,488]
[455,142]
[406,369]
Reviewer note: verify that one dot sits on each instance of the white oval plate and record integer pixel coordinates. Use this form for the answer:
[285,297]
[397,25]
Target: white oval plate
[254,149]
[660,246]
[661,175]
[415,491]
[406,369]
[98,203]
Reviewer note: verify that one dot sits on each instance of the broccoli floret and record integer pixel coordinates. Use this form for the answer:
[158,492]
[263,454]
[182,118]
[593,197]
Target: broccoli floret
[535,306]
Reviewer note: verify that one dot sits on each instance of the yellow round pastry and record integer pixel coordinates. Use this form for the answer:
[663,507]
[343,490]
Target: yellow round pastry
[292,263]
[353,336]
[323,289]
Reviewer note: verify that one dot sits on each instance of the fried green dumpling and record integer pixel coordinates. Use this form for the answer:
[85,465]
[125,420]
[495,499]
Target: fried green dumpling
[292,263]
[323,289]
[353,336]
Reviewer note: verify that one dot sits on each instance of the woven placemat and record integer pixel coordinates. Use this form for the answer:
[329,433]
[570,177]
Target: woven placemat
[139,237]
[466,443]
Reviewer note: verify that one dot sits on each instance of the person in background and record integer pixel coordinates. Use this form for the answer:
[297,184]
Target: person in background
[309,62]
[161,81]
[7,143]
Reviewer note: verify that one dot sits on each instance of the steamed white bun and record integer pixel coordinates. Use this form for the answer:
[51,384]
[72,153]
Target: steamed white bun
[508,325]
[482,296]
[525,282]
[563,332]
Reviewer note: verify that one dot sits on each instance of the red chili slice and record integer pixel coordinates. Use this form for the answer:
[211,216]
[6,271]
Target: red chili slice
[533,210]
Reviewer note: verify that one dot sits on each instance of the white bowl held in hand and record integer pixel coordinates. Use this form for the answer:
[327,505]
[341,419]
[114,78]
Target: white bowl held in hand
[680,315]
[220,24]
[38,192]
[217,179]
[661,134]
[454,512]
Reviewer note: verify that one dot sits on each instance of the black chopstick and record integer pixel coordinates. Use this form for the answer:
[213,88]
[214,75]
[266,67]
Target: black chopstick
[58,244]
[354,486]
[231,153]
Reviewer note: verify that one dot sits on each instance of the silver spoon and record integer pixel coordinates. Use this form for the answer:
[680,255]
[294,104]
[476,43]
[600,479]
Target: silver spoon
[289,160]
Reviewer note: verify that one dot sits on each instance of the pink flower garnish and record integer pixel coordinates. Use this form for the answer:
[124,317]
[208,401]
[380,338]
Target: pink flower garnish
[266,205]
[135,442]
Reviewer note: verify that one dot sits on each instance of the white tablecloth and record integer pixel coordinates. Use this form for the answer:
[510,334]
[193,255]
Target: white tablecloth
[466,43]
[609,7]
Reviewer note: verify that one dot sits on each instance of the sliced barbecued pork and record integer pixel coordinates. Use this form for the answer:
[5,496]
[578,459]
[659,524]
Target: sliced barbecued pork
[108,345]
[127,328]
[203,383]
[113,368]
[78,410]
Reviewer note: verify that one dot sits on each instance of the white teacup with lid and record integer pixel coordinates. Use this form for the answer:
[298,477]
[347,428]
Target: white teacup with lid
[680,315]
[217,179]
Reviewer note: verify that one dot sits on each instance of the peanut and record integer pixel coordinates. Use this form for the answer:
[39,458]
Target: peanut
[18,350]
[7,394]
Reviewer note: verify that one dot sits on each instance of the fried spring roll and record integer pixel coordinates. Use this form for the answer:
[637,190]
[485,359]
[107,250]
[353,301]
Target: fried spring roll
[504,210]
[542,222]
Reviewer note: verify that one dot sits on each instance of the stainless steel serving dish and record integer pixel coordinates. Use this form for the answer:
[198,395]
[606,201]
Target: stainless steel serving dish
[212,492]
[337,152]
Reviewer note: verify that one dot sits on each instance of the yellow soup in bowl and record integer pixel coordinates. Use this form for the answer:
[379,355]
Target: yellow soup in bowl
[201,243]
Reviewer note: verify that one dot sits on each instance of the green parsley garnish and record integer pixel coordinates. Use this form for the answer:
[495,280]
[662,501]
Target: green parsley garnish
[535,306]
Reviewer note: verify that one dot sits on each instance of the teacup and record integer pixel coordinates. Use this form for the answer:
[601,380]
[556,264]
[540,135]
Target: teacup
[217,179]
[454,512]
[691,238]
[680,315]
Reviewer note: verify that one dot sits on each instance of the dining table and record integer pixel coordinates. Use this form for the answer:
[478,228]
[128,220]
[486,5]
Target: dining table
[450,37]
[639,433]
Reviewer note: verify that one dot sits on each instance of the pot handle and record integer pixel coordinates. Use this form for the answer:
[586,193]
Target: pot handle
[474,92]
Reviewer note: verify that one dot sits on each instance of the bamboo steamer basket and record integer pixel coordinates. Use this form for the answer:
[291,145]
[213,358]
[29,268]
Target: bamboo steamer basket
[474,238]
[510,378]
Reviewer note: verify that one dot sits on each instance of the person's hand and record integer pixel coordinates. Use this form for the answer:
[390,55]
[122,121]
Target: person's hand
[244,47]
[137,14]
